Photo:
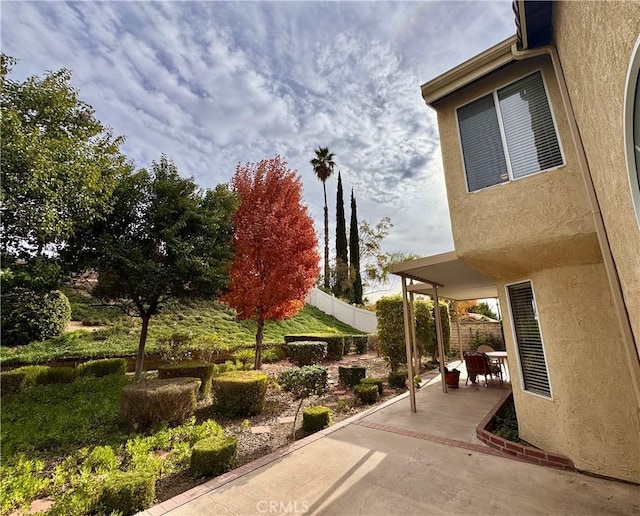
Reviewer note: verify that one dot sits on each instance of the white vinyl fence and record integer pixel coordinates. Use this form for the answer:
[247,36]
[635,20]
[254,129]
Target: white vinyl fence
[360,319]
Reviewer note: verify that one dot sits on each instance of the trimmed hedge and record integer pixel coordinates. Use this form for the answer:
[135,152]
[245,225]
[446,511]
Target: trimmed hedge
[366,393]
[127,493]
[17,380]
[190,369]
[213,455]
[105,367]
[373,381]
[304,381]
[170,400]
[53,375]
[398,379]
[315,418]
[304,353]
[351,375]
[335,343]
[239,393]
[29,316]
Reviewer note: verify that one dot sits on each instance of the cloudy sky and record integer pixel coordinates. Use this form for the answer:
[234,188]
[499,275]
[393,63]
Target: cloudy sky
[212,84]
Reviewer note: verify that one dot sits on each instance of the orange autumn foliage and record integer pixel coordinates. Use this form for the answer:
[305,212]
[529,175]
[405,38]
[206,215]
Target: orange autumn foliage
[276,259]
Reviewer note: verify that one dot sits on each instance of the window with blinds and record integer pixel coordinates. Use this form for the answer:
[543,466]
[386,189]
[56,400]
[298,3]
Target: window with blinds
[533,365]
[508,134]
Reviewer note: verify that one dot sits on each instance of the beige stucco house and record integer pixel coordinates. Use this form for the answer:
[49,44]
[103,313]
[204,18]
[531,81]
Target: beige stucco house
[540,140]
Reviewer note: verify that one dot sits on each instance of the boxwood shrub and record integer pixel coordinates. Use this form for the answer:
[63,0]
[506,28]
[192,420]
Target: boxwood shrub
[17,380]
[190,369]
[172,400]
[239,393]
[127,493]
[104,367]
[366,393]
[304,353]
[335,343]
[351,375]
[315,418]
[51,375]
[398,379]
[373,381]
[213,455]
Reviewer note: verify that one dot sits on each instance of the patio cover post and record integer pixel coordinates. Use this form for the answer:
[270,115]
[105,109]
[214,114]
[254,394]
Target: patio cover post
[414,341]
[407,342]
[439,336]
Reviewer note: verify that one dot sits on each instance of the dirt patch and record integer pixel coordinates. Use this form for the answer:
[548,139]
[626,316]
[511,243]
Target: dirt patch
[278,404]
[77,325]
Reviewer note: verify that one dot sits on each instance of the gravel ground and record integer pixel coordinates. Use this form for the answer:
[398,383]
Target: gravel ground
[253,444]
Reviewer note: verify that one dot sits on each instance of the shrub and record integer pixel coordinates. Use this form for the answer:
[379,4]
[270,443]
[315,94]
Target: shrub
[214,455]
[306,352]
[22,480]
[398,379]
[102,459]
[51,375]
[246,357]
[315,418]
[239,393]
[366,393]
[373,381]
[105,367]
[391,330]
[171,400]
[335,343]
[127,492]
[272,355]
[305,381]
[191,369]
[28,316]
[351,375]
[17,380]
[360,342]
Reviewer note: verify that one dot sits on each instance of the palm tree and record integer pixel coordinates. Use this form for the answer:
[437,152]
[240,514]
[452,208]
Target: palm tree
[323,166]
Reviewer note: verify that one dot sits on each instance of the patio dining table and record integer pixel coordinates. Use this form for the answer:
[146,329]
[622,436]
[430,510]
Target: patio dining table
[501,357]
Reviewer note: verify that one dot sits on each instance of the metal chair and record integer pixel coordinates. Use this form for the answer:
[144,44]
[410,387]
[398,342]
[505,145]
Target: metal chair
[478,364]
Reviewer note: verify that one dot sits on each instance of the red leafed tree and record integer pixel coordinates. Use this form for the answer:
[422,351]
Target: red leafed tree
[276,259]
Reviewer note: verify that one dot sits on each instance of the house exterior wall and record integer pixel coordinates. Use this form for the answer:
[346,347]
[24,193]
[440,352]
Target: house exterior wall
[595,70]
[534,222]
[592,416]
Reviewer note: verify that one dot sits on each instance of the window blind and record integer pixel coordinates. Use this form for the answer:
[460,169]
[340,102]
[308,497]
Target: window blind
[528,338]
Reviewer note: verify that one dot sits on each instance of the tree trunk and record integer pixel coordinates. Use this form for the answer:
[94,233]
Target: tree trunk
[143,341]
[295,419]
[259,336]
[327,284]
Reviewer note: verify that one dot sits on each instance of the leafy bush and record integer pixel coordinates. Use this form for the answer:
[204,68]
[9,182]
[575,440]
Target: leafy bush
[21,482]
[105,367]
[127,492]
[239,393]
[214,455]
[191,369]
[373,381]
[315,418]
[245,356]
[272,355]
[174,346]
[361,343]
[366,393]
[335,343]
[52,375]
[398,379]
[17,380]
[351,375]
[391,331]
[304,381]
[28,316]
[304,353]
[102,459]
[172,400]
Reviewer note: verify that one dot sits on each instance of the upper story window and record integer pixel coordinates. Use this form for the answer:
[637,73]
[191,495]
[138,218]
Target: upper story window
[632,126]
[508,134]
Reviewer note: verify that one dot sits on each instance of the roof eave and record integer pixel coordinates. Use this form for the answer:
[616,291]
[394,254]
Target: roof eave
[469,71]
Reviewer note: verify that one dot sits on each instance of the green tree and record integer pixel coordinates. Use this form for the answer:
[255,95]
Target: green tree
[323,166]
[163,240]
[354,254]
[59,164]
[341,285]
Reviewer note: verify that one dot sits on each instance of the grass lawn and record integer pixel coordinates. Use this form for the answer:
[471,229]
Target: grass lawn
[210,322]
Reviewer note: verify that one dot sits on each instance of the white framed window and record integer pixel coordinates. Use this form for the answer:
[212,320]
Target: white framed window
[632,126]
[532,362]
[508,134]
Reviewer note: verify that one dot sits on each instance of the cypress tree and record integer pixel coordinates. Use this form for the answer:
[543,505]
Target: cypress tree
[354,254]
[341,285]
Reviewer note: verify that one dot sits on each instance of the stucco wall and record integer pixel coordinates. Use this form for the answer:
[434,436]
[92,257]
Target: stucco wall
[595,41]
[538,221]
[593,416]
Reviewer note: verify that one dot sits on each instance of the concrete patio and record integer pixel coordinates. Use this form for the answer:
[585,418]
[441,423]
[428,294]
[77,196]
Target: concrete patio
[390,461]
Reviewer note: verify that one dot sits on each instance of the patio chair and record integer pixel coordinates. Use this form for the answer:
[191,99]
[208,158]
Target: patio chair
[484,348]
[478,364]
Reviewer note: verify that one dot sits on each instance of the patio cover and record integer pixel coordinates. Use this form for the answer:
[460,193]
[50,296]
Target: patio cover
[440,275]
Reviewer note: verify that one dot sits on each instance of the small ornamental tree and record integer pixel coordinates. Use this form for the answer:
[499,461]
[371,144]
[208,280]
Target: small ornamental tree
[303,382]
[276,260]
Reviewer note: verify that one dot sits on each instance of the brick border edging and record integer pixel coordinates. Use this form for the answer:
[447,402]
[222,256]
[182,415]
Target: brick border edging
[518,451]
